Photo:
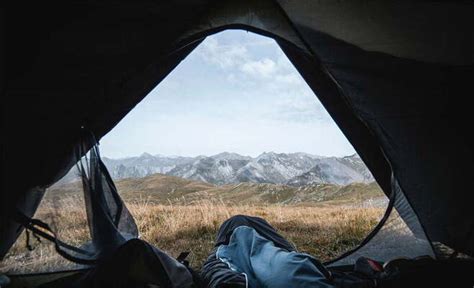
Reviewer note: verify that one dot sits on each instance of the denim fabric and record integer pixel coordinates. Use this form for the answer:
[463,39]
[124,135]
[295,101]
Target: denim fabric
[266,265]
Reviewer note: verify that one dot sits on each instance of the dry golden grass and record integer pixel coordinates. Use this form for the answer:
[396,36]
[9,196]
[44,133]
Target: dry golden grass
[323,231]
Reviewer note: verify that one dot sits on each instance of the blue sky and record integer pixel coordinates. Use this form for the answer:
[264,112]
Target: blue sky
[235,92]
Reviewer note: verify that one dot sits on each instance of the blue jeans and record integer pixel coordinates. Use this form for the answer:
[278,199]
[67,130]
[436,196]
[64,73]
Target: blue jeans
[265,265]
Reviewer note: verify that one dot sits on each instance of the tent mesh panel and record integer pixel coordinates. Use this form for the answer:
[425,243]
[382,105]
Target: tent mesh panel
[64,212]
[401,235]
[110,222]
[84,210]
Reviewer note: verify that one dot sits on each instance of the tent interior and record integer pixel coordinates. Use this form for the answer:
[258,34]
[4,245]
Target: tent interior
[393,75]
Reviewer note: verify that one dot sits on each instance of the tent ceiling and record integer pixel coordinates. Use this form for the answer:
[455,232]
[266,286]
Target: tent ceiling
[437,32]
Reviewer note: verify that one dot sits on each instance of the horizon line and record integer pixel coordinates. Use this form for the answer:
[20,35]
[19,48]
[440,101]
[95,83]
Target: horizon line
[203,155]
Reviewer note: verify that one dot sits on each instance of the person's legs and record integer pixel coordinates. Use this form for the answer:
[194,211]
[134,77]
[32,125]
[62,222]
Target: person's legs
[266,265]
[260,225]
[250,250]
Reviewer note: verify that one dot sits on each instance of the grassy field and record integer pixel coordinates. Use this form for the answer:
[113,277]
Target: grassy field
[323,230]
[160,189]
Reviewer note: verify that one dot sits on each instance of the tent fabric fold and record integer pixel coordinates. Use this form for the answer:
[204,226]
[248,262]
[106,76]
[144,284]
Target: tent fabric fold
[110,223]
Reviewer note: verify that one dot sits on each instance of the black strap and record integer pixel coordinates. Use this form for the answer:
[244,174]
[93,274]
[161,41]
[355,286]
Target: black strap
[33,224]
[182,258]
[28,245]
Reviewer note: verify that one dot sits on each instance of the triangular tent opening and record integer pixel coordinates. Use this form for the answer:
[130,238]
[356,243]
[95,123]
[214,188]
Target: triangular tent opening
[236,92]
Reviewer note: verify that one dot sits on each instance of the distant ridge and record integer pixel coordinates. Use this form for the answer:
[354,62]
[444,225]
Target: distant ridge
[292,169]
[165,189]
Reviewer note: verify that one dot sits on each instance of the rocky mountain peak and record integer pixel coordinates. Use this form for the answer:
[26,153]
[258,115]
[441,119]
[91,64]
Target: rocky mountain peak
[295,169]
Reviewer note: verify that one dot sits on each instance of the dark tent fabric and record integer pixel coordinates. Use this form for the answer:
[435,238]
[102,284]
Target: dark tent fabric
[394,76]
[110,223]
[421,132]
[400,235]
[136,264]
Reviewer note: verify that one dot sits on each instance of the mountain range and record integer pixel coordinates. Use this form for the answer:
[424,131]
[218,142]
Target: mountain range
[284,178]
[293,169]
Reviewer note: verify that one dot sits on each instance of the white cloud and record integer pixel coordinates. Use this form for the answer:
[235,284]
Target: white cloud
[224,56]
[241,64]
[272,76]
[261,68]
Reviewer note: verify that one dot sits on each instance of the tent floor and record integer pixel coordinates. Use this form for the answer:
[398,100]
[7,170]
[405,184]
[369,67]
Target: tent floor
[456,273]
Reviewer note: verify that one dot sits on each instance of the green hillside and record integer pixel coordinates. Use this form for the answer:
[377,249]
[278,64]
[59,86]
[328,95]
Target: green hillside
[164,189]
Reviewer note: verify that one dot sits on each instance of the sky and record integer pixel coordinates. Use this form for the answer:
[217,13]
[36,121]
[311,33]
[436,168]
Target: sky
[236,92]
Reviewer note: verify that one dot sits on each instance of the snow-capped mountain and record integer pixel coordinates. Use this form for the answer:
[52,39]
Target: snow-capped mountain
[280,168]
[334,170]
[217,169]
[143,165]
[295,169]
[275,168]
